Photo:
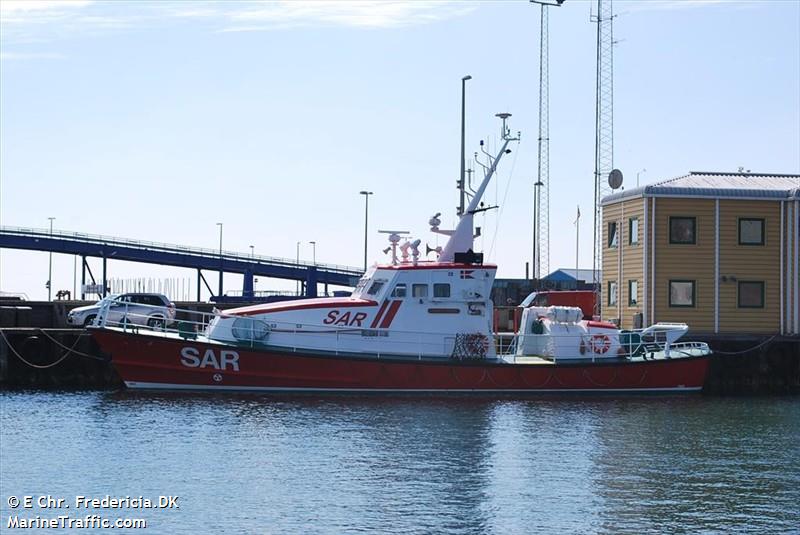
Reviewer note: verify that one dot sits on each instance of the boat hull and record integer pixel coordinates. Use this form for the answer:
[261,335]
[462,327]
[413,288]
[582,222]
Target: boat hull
[153,362]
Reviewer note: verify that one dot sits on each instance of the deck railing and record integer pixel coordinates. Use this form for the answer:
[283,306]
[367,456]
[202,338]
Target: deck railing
[252,332]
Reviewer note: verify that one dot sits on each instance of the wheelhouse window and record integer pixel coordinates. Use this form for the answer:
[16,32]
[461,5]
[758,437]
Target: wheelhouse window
[751,294]
[681,293]
[633,231]
[399,291]
[612,293]
[419,290]
[441,290]
[751,231]
[612,234]
[376,287]
[683,230]
[633,293]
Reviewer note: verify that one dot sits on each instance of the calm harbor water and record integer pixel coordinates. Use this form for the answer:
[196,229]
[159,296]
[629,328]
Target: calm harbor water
[259,464]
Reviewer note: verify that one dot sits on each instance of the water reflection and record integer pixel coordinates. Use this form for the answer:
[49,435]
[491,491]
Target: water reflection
[256,464]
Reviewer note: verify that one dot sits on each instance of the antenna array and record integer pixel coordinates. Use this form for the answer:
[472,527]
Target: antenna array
[604,129]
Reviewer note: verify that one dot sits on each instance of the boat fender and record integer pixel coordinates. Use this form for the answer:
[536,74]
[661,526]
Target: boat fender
[537,327]
[582,347]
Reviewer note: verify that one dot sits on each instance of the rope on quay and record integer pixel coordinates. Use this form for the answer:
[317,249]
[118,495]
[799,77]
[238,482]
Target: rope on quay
[762,344]
[72,349]
[68,352]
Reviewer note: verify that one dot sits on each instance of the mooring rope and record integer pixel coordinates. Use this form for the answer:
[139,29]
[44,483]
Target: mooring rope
[38,366]
[762,344]
[84,355]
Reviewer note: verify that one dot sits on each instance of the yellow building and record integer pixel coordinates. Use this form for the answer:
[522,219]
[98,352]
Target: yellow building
[718,251]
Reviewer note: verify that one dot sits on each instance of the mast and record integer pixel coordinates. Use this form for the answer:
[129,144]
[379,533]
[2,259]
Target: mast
[461,239]
[604,132]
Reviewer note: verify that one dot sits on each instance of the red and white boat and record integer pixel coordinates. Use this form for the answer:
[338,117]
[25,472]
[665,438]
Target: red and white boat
[409,326]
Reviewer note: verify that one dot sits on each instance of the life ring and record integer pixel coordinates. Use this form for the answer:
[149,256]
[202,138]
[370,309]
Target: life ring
[600,343]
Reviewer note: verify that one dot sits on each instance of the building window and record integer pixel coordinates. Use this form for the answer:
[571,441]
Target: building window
[612,293]
[441,290]
[751,231]
[612,234]
[683,230]
[681,293]
[419,290]
[633,293]
[633,231]
[399,291]
[751,294]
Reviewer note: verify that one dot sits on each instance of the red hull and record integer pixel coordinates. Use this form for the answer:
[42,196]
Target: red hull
[152,362]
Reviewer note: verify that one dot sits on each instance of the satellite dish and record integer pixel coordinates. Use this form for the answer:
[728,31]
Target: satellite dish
[615,178]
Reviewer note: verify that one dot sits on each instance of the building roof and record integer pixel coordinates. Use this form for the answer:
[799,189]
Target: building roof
[716,185]
[564,274]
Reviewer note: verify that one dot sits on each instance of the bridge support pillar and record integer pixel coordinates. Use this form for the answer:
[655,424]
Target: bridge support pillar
[247,284]
[83,277]
[199,276]
[105,281]
[311,282]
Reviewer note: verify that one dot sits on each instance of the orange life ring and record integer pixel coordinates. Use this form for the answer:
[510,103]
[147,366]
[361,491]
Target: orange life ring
[600,343]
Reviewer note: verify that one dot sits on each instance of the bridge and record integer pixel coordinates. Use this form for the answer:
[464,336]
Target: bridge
[112,248]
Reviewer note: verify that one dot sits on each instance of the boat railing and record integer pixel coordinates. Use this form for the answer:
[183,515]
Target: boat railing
[254,332]
[191,324]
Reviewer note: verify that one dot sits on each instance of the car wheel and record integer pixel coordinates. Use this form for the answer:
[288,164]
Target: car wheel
[157,324]
[89,320]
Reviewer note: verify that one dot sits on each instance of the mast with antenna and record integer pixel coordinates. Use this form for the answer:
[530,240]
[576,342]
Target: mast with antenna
[462,238]
[541,188]
[604,131]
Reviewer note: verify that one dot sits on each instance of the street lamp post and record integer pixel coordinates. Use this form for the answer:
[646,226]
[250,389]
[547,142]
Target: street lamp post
[220,259]
[461,185]
[313,252]
[366,195]
[252,252]
[637,176]
[50,266]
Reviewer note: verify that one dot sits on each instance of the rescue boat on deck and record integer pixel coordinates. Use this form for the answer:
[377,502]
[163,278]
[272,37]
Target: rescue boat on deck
[410,325]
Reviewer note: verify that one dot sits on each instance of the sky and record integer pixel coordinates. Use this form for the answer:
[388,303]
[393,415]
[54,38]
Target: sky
[156,120]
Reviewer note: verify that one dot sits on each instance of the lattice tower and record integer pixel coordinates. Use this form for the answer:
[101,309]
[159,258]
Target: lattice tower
[604,129]
[541,203]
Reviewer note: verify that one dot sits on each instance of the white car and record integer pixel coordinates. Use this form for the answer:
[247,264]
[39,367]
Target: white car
[151,310]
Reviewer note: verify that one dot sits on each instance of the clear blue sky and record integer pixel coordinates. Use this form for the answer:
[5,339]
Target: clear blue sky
[155,120]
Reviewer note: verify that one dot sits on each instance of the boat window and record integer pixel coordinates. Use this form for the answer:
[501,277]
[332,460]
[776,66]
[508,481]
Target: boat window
[419,290]
[441,290]
[375,288]
[399,291]
[362,283]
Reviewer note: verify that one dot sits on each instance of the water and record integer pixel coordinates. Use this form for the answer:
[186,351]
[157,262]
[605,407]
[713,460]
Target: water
[257,464]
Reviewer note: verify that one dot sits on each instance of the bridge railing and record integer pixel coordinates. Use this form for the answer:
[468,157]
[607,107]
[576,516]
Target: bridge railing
[174,248]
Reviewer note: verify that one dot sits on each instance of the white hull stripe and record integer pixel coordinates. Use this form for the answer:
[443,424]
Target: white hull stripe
[170,386]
